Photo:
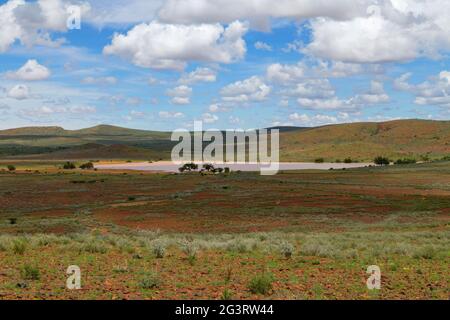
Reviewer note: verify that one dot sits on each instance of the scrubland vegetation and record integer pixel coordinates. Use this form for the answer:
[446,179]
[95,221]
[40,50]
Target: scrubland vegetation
[297,235]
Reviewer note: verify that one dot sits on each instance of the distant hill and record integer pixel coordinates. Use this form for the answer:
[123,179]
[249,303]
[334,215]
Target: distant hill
[94,151]
[364,141]
[100,130]
[359,141]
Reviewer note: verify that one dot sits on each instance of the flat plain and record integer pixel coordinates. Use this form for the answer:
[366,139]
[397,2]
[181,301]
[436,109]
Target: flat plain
[296,235]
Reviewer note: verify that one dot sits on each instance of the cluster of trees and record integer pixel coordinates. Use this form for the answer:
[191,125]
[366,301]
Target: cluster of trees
[71,166]
[207,167]
[382,161]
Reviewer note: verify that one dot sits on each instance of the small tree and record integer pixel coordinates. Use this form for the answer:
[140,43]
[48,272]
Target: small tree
[319,160]
[381,161]
[87,166]
[11,168]
[69,166]
[348,160]
[188,167]
[208,167]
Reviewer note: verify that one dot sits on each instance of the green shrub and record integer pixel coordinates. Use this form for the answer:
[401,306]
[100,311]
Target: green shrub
[190,249]
[69,166]
[226,295]
[12,220]
[11,168]
[19,247]
[87,166]
[427,252]
[159,250]
[93,247]
[319,160]
[261,284]
[381,161]
[348,160]
[287,249]
[208,167]
[30,272]
[150,280]
[188,167]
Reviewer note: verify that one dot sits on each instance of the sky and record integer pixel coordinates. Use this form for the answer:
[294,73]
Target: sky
[163,64]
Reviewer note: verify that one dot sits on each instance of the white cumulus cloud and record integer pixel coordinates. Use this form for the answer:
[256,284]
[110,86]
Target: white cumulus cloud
[249,90]
[171,46]
[19,92]
[30,71]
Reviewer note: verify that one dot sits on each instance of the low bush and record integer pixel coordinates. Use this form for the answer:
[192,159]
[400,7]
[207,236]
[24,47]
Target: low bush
[19,246]
[30,272]
[348,160]
[287,249]
[87,166]
[381,161]
[69,166]
[150,280]
[159,250]
[261,284]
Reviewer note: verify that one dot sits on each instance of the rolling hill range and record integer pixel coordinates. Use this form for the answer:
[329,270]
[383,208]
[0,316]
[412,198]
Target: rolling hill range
[359,141]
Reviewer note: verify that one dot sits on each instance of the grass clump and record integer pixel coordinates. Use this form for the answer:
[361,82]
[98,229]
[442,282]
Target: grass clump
[287,249]
[159,250]
[191,250]
[19,246]
[261,284]
[427,252]
[30,272]
[94,247]
[150,280]
[226,295]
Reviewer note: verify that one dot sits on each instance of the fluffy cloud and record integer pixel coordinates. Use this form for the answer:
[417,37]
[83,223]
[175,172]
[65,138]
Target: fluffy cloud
[259,12]
[218,107]
[288,73]
[375,95]
[262,46]
[365,31]
[19,92]
[313,89]
[249,90]
[209,118]
[306,120]
[319,94]
[46,111]
[285,73]
[199,75]
[170,115]
[99,80]
[180,95]
[394,31]
[435,91]
[114,12]
[30,71]
[171,46]
[33,22]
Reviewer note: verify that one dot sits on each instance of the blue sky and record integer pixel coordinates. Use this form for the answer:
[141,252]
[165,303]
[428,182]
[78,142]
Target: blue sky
[161,65]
